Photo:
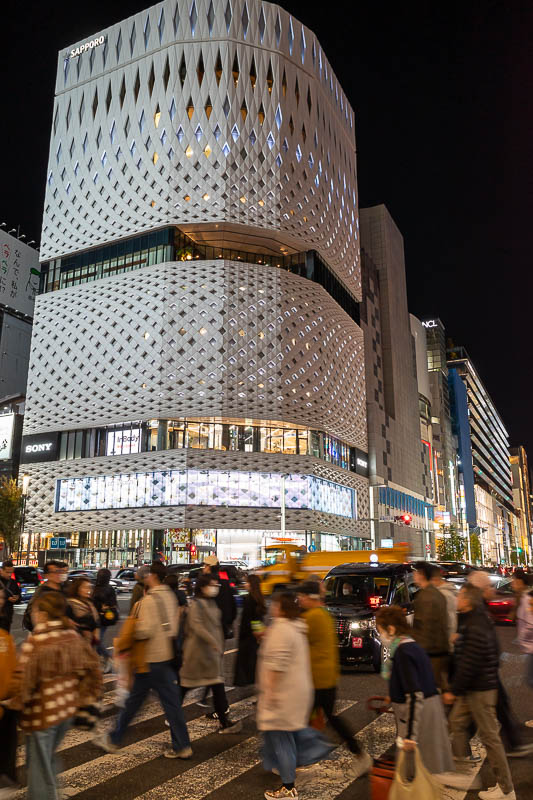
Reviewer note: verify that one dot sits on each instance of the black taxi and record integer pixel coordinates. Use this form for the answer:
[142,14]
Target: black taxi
[354,592]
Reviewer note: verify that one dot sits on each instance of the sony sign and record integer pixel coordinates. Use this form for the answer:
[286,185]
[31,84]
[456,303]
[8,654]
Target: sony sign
[430,323]
[39,447]
[77,51]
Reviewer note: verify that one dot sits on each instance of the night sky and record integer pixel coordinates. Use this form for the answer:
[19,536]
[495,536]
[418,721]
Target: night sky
[443,97]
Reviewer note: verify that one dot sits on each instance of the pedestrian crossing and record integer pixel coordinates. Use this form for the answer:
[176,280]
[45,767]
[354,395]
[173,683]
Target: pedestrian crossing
[222,767]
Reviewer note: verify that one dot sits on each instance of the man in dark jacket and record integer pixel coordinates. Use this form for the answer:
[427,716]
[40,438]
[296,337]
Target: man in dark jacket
[226,596]
[474,690]
[430,624]
[12,593]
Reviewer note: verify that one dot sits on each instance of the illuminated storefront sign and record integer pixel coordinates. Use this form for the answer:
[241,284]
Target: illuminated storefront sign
[195,487]
[430,323]
[77,51]
[39,447]
[123,442]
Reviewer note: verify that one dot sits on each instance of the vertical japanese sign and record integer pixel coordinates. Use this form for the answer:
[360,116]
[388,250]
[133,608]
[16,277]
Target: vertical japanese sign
[19,274]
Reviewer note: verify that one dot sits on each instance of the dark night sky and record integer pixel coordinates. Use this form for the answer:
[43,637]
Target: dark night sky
[443,96]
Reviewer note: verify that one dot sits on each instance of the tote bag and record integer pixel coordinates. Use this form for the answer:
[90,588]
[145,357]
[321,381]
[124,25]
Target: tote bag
[421,788]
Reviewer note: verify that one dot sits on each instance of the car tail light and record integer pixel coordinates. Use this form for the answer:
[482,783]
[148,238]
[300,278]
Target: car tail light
[375,601]
[232,585]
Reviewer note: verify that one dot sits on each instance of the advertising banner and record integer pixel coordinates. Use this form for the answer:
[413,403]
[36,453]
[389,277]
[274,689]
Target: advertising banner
[7,424]
[19,274]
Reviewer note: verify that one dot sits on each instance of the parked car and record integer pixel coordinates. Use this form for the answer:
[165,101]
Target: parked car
[117,584]
[28,579]
[455,569]
[502,605]
[354,592]
[127,576]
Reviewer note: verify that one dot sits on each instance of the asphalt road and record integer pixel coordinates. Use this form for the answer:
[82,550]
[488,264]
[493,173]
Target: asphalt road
[228,767]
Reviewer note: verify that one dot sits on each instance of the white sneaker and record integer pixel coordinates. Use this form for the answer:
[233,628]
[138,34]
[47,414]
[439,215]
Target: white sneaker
[281,793]
[495,793]
[457,780]
[105,743]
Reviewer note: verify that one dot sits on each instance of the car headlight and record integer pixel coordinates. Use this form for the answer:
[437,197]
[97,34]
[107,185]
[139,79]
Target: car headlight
[363,625]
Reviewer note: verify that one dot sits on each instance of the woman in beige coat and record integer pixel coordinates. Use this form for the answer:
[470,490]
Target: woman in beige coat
[203,649]
[286,697]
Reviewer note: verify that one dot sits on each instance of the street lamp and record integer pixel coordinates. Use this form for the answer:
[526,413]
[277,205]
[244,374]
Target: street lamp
[25,485]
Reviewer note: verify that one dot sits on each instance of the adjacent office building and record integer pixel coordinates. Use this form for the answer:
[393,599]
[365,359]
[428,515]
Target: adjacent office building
[492,508]
[398,462]
[522,502]
[19,282]
[197,371]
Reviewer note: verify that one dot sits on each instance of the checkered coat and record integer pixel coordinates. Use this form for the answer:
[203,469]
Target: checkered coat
[57,673]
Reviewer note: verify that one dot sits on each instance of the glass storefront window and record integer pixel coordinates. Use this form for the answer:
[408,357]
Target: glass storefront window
[302,442]
[169,434]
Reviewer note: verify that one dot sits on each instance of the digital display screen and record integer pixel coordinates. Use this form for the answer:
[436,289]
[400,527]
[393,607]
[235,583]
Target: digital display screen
[195,487]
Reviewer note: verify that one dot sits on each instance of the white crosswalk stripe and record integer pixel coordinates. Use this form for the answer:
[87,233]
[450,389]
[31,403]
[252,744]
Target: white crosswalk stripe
[325,781]
[77,736]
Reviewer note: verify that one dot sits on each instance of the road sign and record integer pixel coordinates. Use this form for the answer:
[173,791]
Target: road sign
[58,543]
[428,548]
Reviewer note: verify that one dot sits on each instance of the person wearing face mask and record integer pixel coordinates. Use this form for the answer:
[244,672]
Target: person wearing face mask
[156,624]
[347,591]
[203,650]
[417,706]
[55,574]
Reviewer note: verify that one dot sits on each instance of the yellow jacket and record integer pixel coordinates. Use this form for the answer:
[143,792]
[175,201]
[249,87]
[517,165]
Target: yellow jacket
[324,647]
[8,660]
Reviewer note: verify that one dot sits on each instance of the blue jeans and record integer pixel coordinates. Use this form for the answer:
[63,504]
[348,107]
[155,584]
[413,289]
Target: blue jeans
[529,670]
[163,680]
[41,749]
[286,750]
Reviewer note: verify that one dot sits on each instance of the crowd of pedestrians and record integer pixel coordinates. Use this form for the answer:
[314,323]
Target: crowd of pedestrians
[442,671]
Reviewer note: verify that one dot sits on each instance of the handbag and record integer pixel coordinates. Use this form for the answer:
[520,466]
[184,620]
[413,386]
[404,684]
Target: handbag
[422,787]
[109,615]
[126,643]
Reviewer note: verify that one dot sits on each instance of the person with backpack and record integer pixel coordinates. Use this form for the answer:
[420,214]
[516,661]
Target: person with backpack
[156,625]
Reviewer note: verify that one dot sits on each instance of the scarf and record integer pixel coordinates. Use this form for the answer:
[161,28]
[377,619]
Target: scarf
[386,668]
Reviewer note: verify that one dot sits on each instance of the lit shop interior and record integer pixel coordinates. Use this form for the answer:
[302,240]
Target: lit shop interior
[179,546]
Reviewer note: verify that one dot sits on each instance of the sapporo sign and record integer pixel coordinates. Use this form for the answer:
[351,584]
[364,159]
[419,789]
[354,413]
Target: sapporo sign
[78,51]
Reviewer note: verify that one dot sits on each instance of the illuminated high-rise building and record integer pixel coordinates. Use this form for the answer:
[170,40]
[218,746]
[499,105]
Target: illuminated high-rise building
[197,337]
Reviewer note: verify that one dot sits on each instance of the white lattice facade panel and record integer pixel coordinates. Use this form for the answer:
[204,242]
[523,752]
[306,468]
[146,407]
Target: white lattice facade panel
[196,339]
[42,517]
[196,114]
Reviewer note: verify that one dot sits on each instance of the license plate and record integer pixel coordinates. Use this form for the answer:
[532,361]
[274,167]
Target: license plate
[357,642]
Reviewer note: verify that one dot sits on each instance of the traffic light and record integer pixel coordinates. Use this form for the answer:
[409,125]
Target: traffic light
[405,519]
